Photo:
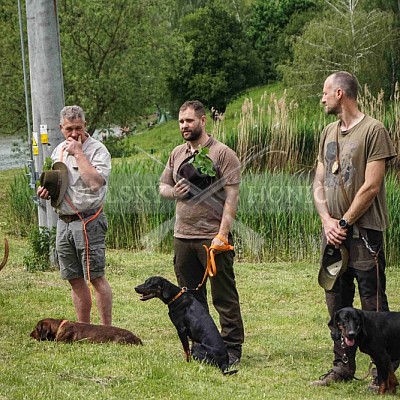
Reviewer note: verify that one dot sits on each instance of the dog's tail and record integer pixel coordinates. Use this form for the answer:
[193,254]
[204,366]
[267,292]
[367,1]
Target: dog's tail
[6,251]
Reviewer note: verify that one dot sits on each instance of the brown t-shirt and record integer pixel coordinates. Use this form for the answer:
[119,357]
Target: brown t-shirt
[200,216]
[365,142]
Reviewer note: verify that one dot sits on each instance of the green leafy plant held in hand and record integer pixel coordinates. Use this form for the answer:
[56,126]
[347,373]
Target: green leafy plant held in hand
[203,163]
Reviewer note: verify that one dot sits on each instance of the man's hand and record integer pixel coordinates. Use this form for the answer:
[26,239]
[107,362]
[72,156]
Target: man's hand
[181,188]
[334,234]
[43,193]
[73,146]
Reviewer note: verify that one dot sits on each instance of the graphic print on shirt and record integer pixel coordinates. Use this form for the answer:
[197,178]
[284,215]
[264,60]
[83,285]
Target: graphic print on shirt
[347,169]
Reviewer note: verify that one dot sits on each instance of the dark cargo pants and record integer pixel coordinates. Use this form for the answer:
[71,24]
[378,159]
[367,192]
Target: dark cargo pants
[371,287]
[190,262]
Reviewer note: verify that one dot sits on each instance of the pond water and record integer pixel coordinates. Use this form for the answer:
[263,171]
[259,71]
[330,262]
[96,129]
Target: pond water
[13,152]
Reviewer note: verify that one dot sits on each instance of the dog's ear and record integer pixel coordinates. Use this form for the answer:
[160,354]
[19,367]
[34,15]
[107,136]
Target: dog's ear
[46,331]
[165,289]
[335,332]
[42,331]
[362,327]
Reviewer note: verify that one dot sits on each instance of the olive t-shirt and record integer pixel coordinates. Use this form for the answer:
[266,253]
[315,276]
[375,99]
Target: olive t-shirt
[200,217]
[365,142]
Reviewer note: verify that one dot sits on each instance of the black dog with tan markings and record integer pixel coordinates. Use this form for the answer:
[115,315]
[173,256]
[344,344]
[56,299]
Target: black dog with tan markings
[376,334]
[191,320]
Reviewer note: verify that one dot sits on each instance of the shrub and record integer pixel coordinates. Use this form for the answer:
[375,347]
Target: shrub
[42,244]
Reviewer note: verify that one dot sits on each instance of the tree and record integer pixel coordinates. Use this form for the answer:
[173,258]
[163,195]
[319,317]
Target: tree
[221,62]
[12,100]
[393,55]
[271,23]
[116,57]
[345,38]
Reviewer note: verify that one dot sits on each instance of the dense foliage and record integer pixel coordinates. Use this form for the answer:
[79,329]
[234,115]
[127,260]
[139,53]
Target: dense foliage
[222,62]
[345,37]
[125,59]
[116,56]
[12,101]
[271,25]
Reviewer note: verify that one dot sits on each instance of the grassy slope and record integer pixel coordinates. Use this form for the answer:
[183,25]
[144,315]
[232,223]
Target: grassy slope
[166,136]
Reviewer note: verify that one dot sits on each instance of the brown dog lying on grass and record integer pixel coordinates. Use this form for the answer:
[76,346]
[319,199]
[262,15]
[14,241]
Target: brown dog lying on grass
[5,258]
[62,330]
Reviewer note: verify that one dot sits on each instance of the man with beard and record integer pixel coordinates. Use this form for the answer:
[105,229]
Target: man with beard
[350,198]
[205,210]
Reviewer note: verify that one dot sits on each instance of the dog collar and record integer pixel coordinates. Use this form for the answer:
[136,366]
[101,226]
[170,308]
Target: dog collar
[183,290]
[63,322]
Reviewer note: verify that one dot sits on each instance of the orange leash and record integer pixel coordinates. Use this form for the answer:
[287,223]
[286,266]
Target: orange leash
[211,269]
[84,223]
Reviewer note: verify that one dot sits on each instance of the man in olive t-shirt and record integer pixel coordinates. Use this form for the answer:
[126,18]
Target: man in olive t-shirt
[350,198]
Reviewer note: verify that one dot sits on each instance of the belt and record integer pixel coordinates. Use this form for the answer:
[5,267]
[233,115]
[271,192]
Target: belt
[75,217]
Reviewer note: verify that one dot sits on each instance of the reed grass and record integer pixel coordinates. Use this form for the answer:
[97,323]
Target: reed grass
[135,210]
[275,133]
[21,210]
[276,219]
[277,142]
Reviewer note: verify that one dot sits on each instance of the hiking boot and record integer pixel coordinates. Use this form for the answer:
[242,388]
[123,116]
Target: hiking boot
[234,359]
[332,376]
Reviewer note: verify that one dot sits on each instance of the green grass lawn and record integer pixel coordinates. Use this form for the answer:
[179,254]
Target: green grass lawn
[287,341]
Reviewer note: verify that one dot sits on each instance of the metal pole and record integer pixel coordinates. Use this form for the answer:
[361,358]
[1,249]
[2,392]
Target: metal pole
[28,117]
[47,92]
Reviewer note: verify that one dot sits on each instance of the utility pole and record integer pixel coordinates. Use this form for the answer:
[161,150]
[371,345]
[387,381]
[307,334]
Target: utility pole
[47,88]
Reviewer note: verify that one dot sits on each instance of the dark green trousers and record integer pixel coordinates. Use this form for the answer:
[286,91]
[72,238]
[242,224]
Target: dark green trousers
[190,262]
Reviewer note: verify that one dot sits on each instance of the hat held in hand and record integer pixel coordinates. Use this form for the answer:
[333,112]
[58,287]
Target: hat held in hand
[56,182]
[333,264]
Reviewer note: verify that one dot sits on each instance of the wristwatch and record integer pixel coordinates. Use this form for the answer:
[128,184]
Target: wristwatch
[343,223]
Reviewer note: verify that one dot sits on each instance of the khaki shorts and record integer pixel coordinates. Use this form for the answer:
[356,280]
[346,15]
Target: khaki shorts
[71,248]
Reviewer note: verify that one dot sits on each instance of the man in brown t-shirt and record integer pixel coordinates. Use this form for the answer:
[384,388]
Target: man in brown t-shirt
[350,198]
[205,211]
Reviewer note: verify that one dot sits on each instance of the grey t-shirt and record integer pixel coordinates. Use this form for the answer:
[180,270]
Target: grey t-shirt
[81,196]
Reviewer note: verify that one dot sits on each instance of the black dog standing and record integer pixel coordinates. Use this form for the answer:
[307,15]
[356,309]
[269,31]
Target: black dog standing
[376,334]
[191,320]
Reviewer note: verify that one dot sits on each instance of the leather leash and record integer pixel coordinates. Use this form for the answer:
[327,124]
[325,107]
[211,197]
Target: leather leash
[211,268]
[84,223]
[336,169]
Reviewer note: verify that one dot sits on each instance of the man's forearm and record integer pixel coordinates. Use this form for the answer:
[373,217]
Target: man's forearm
[167,191]
[230,209]
[88,172]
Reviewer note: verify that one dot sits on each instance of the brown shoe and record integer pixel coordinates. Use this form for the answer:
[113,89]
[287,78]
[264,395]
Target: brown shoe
[332,376]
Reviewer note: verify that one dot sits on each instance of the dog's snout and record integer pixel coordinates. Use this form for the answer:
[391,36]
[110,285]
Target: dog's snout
[351,334]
